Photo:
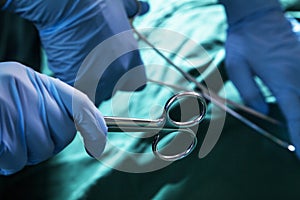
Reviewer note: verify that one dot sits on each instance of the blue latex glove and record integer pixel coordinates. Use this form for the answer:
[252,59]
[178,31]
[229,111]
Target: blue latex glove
[38,118]
[260,42]
[71,29]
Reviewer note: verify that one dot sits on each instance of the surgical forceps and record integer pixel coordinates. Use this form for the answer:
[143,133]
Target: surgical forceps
[224,104]
[165,124]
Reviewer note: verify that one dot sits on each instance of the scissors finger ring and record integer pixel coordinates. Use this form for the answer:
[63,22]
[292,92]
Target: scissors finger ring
[166,124]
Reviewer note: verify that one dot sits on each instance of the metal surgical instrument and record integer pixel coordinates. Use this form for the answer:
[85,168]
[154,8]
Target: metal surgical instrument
[222,103]
[164,124]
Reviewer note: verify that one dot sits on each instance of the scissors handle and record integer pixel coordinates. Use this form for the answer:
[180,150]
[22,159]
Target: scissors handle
[191,144]
[166,121]
[123,124]
[165,125]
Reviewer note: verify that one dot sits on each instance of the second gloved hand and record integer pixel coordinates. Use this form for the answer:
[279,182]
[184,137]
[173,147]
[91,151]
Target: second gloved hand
[263,44]
[71,29]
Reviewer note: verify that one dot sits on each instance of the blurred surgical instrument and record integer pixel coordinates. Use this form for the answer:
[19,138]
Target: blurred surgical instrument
[222,103]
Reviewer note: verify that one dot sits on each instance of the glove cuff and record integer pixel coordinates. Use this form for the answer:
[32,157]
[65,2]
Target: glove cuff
[237,10]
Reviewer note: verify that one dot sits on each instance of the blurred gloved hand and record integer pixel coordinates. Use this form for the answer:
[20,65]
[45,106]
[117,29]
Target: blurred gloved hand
[38,118]
[260,42]
[71,29]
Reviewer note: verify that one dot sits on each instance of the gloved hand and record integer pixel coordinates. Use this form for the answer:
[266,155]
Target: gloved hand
[38,118]
[260,42]
[71,29]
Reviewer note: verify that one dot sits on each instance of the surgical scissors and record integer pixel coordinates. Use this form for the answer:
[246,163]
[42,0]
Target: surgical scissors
[164,124]
[225,104]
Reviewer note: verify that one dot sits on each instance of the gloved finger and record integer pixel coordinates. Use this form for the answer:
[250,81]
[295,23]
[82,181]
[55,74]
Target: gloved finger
[54,117]
[13,151]
[242,77]
[135,7]
[87,118]
[90,123]
[289,103]
[145,7]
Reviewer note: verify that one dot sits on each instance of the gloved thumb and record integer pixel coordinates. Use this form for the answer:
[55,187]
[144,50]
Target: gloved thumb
[240,74]
[90,123]
[87,118]
[144,8]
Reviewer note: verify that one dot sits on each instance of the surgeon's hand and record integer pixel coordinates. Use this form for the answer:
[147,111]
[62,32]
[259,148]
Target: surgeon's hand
[71,29]
[262,43]
[39,117]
